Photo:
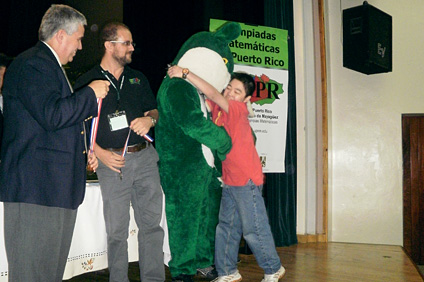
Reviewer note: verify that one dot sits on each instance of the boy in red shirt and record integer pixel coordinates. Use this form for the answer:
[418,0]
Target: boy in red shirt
[242,210]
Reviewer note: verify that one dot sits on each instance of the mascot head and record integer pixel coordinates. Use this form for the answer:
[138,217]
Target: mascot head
[208,55]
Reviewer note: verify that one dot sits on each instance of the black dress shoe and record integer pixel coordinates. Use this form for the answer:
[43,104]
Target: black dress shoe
[209,273]
[183,278]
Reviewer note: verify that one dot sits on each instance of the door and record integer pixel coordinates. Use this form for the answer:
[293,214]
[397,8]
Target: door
[413,186]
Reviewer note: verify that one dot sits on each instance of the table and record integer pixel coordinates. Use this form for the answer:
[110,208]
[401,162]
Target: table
[88,250]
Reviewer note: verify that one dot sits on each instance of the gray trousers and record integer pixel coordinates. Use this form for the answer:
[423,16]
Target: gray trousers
[37,240]
[140,186]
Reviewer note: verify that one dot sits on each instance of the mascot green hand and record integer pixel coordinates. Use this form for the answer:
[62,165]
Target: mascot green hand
[185,140]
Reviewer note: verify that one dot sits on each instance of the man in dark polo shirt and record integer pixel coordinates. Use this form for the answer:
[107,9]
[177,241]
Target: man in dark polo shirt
[128,112]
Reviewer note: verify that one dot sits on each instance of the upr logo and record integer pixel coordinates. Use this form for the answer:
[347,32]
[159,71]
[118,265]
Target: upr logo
[267,90]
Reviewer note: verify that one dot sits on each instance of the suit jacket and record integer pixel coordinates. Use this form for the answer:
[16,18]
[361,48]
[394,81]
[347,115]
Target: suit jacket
[43,154]
[1,129]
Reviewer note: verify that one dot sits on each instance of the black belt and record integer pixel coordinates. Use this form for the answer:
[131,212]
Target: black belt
[132,148]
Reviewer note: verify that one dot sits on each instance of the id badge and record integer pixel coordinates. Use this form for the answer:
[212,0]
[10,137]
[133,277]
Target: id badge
[117,120]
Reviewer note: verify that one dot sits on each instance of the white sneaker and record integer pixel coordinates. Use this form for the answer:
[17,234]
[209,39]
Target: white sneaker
[235,277]
[276,276]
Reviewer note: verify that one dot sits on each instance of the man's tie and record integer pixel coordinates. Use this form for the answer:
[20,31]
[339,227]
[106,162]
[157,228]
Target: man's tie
[64,73]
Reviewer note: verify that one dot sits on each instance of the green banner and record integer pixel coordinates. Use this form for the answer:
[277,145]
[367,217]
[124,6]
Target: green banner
[258,45]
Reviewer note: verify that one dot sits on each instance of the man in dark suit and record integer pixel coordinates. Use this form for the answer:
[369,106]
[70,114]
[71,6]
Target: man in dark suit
[4,63]
[42,173]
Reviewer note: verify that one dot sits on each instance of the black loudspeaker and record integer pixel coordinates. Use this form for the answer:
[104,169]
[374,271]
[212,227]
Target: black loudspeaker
[367,39]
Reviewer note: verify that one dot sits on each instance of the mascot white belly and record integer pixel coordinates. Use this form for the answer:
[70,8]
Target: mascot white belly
[210,66]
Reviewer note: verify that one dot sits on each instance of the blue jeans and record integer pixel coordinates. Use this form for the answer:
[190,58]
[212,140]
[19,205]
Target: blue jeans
[243,212]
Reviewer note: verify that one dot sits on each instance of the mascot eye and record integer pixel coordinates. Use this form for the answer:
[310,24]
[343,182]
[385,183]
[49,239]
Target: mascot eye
[225,60]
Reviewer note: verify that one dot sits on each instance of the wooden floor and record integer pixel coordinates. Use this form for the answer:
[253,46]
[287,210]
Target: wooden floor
[318,262]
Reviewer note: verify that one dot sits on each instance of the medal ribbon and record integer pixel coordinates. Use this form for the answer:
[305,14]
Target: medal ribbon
[95,125]
[124,151]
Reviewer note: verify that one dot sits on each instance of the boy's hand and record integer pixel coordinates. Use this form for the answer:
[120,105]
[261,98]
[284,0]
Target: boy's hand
[175,71]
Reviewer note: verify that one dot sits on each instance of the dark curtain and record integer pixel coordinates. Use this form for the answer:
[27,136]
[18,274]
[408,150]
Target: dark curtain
[280,188]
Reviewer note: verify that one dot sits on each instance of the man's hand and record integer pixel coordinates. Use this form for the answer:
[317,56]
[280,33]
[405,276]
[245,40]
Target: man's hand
[92,161]
[110,159]
[100,87]
[141,125]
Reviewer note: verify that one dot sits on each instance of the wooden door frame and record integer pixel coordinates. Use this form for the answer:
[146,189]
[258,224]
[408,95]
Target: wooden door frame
[323,119]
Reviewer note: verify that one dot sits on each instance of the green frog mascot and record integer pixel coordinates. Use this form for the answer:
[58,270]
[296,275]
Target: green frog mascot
[189,145]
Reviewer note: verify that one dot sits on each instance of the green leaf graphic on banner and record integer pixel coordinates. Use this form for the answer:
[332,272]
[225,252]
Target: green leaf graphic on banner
[267,90]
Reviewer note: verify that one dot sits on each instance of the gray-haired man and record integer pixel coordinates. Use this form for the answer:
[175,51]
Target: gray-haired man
[42,172]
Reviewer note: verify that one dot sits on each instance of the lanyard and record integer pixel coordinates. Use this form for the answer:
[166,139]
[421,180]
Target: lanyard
[146,136]
[118,91]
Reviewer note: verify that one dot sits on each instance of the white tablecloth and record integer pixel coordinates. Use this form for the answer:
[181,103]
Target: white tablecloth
[89,249]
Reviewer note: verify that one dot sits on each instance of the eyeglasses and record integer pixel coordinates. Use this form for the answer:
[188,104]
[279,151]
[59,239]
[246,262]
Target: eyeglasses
[126,43]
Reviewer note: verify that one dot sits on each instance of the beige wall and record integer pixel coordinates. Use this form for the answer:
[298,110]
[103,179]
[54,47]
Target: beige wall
[365,144]
[300,115]
[365,176]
